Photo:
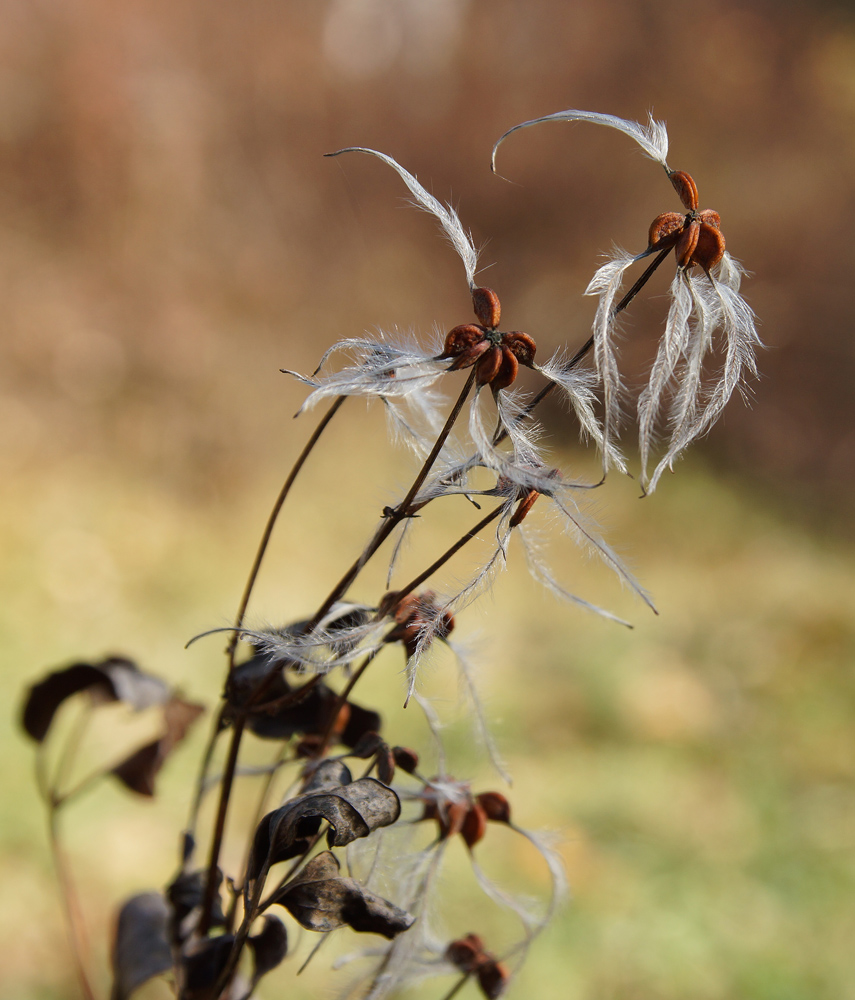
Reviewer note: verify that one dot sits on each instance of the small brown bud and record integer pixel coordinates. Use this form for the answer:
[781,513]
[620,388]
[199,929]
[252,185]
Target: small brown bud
[487,307]
[685,188]
[465,952]
[460,339]
[385,765]
[686,244]
[474,825]
[521,346]
[406,759]
[488,366]
[507,371]
[493,978]
[710,246]
[665,230]
[496,807]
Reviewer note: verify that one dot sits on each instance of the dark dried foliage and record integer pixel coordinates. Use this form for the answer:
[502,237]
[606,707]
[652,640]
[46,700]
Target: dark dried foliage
[321,900]
[113,679]
[141,948]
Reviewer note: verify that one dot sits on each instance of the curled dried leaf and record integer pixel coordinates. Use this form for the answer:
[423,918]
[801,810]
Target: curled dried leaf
[353,810]
[203,965]
[141,948]
[321,900]
[112,679]
[138,771]
[269,946]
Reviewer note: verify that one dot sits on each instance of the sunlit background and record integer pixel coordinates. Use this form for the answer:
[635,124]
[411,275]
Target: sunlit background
[170,237]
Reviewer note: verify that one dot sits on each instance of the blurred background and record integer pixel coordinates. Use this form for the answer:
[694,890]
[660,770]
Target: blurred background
[170,237]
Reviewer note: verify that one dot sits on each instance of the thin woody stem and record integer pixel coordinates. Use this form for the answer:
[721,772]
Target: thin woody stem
[70,906]
[438,563]
[399,513]
[271,521]
[240,721]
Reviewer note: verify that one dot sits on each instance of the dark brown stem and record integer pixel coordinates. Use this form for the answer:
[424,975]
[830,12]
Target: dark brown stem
[438,563]
[271,521]
[642,281]
[399,513]
[202,780]
[211,881]
[458,986]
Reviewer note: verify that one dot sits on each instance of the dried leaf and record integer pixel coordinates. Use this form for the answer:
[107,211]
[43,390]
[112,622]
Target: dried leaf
[141,948]
[203,966]
[187,892]
[138,771]
[269,947]
[321,900]
[113,679]
[307,716]
[352,811]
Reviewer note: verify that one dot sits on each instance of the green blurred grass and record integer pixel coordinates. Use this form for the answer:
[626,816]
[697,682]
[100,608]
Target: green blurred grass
[697,769]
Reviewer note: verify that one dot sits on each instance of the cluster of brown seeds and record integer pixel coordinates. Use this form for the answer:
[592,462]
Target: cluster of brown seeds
[467,816]
[695,236]
[496,356]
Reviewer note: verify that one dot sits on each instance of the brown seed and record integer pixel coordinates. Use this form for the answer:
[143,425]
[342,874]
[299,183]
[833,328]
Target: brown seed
[710,247]
[665,230]
[493,979]
[524,507]
[521,346]
[465,952]
[487,307]
[496,807]
[685,188]
[507,371]
[489,365]
[474,825]
[686,244]
[461,339]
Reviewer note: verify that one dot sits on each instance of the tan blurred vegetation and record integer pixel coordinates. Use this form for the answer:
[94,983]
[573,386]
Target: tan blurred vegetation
[170,237]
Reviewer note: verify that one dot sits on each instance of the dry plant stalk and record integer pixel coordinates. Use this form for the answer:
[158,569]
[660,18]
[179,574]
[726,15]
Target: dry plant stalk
[214,932]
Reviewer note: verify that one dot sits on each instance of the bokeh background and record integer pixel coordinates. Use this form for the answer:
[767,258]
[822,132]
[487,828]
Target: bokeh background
[170,237]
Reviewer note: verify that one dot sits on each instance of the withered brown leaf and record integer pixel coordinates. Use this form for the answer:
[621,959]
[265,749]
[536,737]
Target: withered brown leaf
[112,679]
[352,810]
[320,899]
[141,947]
[138,771]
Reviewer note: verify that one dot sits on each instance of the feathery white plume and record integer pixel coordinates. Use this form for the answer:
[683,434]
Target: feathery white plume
[447,217]
[653,137]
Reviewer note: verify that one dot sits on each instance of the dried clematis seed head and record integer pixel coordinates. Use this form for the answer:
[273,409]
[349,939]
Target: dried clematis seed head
[685,188]
[488,309]
[665,230]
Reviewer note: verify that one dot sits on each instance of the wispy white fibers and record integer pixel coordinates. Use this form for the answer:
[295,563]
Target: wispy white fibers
[652,137]
[606,284]
[672,351]
[578,385]
[716,307]
[447,217]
